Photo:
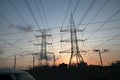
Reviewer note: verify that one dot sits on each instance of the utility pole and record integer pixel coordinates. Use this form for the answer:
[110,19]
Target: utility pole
[43,53]
[74,43]
[14,61]
[33,61]
[99,52]
[54,59]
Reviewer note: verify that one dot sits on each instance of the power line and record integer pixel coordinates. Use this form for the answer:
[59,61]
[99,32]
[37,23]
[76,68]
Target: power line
[103,23]
[97,13]
[22,44]
[78,25]
[17,12]
[108,40]
[44,12]
[13,33]
[65,19]
[12,25]
[113,45]
[59,37]
[82,19]
[102,37]
[29,8]
[50,28]
[90,6]
[116,28]
[39,11]
[66,12]
[106,29]
[28,39]
[1,14]
[78,2]
[97,22]
[99,41]
[12,45]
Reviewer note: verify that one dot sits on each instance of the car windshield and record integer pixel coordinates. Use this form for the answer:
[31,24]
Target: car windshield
[23,76]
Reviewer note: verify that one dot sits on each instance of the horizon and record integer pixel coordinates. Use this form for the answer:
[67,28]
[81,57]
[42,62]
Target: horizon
[22,20]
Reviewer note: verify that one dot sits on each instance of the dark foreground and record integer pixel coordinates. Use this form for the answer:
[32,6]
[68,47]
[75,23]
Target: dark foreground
[82,72]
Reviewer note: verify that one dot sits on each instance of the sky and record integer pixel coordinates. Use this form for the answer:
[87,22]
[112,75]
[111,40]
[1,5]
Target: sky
[21,20]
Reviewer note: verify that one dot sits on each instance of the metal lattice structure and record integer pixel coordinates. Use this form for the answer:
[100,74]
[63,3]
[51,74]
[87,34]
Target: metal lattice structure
[74,43]
[43,53]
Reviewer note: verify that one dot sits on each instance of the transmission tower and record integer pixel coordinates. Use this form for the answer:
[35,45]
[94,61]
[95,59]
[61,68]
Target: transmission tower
[99,52]
[43,53]
[74,43]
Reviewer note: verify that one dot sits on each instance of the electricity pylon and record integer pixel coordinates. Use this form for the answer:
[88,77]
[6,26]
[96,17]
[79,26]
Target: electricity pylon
[74,43]
[43,53]
[99,52]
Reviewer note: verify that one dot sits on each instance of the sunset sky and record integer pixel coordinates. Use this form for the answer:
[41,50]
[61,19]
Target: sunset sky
[20,21]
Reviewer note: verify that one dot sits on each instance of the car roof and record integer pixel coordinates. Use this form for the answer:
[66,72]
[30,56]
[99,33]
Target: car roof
[11,71]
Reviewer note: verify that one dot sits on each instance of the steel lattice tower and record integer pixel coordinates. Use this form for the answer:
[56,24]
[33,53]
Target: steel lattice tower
[43,53]
[74,43]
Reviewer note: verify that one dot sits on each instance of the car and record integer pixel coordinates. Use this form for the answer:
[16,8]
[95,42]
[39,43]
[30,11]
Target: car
[15,75]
